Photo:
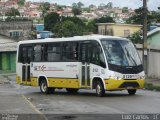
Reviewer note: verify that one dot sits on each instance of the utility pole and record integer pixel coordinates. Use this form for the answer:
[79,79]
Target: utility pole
[145,35]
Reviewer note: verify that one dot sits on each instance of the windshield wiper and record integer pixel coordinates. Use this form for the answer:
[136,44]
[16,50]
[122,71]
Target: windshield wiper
[130,57]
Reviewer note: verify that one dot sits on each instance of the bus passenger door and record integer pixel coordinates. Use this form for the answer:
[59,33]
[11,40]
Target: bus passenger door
[85,69]
[26,58]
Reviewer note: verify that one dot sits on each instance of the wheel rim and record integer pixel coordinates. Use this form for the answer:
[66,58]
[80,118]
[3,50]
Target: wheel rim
[44,87]
[98,89]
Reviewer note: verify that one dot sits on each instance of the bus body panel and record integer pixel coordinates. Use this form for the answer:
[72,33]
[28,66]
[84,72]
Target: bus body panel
[76,74]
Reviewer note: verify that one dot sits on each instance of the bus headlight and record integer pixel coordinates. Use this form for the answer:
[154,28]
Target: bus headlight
[115,77]
[141,77]
[118,78]
[111,77]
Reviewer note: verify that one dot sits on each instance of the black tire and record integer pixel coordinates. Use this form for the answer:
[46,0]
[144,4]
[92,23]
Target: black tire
[44,87]
[72,90]
[132,91]
[100,91]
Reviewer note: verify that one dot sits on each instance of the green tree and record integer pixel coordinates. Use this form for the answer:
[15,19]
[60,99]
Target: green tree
[50,20]
[59,7]
[44,7]
[109,5]
[67,29]
[74,5]
[155,16]
[136,38]
[138,17]
[21,2]
[75,20]
[77,8]
[80,4]
[76,11]
[125,10]
[92,27]
[105,19]
[13,12]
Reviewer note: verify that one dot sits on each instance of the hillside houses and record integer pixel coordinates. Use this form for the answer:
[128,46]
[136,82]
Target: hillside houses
[33,10]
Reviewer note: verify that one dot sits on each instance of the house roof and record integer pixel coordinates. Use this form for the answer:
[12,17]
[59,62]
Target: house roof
[7,44]
[153,31]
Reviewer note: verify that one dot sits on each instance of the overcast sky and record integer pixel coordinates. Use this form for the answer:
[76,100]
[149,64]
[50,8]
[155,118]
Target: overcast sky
[152,4]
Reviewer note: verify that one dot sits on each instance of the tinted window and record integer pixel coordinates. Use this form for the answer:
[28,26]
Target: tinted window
[91,52]
[53,52]
[70,51]
[97,56]
[25,54]
[38,49]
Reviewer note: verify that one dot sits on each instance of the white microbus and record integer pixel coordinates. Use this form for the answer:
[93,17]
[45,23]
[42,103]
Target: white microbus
[81,62]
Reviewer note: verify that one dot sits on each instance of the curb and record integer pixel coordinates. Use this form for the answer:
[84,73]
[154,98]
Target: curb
[151,86]
[4,78]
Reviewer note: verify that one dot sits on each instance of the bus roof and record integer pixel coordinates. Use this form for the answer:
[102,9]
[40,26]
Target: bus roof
[75,38]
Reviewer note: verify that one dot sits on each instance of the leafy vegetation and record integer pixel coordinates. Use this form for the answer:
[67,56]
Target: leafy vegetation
[77,8]
[136,38]
[44,8]
[92,27]
[71,26]
[138,17]
[67,29]
[21,2]
[50,20]
[150,86]
[13,12]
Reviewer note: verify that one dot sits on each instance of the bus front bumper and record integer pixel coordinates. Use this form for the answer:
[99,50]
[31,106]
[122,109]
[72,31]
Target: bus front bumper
[112,84]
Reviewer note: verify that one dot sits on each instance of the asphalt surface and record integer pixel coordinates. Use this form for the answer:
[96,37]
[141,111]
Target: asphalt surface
[83,105]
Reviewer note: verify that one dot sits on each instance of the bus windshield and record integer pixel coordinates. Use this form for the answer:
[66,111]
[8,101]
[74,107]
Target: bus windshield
[121,53]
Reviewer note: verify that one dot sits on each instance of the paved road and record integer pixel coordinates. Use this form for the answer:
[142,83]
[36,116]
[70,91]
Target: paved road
[86,102]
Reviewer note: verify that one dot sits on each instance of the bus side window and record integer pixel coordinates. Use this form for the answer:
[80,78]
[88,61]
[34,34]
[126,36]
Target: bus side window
[70,51]
[97,55]
[53,52]
[37,53]
[29,54]
[25,54]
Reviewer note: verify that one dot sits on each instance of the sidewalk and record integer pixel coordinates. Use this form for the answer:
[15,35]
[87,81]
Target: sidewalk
[4,77]
[152,84]
[4,80]
[155,82]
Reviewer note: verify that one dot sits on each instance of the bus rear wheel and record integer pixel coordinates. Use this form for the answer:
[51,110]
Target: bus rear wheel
[44,87]
[72,90]
[132,91]
[100,89]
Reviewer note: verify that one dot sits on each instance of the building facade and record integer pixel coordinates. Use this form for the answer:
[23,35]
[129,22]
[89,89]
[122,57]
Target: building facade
[114,29]
[19,30]
[7,54]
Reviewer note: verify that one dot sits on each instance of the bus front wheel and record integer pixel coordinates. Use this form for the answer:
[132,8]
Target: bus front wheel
[132,92]
[44,87]
[72,90]
[100,89]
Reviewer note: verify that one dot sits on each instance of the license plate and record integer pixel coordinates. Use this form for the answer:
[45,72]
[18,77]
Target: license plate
[130,76]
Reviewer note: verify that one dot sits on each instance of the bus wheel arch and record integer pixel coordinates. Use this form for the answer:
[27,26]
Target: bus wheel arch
[97,84]
[42,78]
[44,87]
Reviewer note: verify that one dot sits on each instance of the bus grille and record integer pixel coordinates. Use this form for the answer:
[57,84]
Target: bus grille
[129,84]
